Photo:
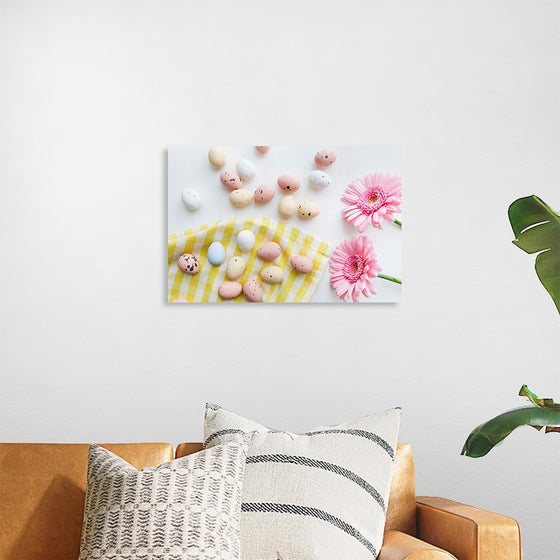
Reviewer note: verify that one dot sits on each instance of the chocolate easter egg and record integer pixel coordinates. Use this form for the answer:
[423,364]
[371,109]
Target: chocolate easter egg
[229,290]
[269,251]
[188,263]
[217,157]
[246,169]
[272,274]
[301,264]
[289,183]
[231,179]
[263,194]
[252,290]
[324,158]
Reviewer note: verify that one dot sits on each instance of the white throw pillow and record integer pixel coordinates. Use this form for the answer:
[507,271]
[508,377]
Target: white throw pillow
[187,509]
[321,495]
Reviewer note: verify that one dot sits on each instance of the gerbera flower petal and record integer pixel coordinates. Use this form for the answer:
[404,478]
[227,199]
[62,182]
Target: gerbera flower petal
[352,266]
[371,200]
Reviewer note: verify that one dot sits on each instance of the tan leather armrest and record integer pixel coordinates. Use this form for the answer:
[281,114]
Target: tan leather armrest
[400,546]
[467,532]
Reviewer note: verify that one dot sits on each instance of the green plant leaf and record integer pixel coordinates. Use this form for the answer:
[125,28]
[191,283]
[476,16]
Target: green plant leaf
[537,401]
[483,438]
[536,227]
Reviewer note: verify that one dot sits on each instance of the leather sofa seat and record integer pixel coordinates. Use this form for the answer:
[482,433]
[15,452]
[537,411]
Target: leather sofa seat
[42,494]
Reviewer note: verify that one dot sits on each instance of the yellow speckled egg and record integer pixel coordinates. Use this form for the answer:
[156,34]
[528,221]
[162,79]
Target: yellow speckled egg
[308,209]
[217,157]
[272,274]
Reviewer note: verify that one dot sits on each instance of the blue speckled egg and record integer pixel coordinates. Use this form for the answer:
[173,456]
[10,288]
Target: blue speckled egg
[216,253]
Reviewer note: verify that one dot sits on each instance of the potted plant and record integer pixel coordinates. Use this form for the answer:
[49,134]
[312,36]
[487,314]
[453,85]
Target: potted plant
[536,227]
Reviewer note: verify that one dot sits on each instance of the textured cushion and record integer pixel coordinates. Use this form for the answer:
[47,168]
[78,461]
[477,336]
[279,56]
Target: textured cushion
[185,509]
[312,496]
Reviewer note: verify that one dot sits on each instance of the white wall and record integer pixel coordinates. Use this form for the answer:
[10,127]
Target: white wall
[93,92]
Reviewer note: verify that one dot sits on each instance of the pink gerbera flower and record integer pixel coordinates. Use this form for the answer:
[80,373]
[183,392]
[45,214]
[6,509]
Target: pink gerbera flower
[374,198]
[352,266]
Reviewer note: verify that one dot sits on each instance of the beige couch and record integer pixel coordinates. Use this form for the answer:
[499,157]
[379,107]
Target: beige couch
[42,491]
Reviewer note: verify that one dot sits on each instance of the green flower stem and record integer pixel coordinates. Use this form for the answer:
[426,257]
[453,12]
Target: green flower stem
[390,278]
[398,222]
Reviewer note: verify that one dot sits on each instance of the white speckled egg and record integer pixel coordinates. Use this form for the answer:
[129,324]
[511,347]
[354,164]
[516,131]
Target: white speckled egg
[217,157]
[308,209]
[235,267]
[191,198]
[216,253]
[319,180]
[272,274]
[245,240]
[241,198]
[246,169]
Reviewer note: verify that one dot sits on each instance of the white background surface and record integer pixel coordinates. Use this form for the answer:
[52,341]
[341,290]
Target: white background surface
[93,92]
[189,168]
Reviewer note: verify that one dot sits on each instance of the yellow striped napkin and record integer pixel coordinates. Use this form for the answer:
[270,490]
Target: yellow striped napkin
[203,287]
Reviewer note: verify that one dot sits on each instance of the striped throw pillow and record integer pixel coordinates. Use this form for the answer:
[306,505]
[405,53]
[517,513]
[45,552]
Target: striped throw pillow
[313,496]
[187,509]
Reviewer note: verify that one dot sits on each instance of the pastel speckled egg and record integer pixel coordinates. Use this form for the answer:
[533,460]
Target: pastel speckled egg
[272,274]
[245,240]
[231,179]
[269,251]
[262,149]
[308,209]
[252,290]
[324,158]
[287,207]
[191,198]
[188,263]
[235,267]
[241,198]
[246,169]
[289,183]
[216,253]
[264,194]
[319,180]
[229,290]
[301,264]
[217,157]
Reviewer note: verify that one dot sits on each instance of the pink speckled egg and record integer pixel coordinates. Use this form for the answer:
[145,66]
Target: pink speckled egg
[324,158]
[188,263]
[231,180]
[262,149]
[264,194]
[229,290]
[301,264]
[252,290]
[269,251]
[289,183]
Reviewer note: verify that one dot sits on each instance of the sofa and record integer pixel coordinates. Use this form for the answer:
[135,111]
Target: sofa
[42,492]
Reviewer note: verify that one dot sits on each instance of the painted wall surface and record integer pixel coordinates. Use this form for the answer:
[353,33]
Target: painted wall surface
[93,92]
